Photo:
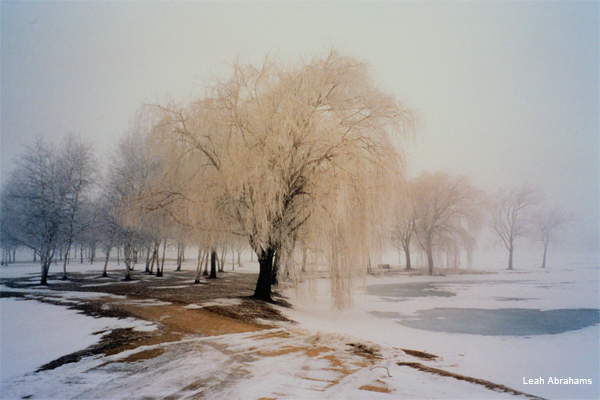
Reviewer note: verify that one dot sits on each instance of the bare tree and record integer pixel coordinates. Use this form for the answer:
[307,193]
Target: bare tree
[286,154]
[511,211]
[404,225]
[547,226]
[130,172]
[447,213]
[43,198]
[77,168]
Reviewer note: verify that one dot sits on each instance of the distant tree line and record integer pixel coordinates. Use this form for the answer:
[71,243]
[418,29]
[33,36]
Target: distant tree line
[442,215]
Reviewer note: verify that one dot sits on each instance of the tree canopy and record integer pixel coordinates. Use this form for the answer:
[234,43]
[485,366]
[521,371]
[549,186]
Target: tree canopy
[286,155]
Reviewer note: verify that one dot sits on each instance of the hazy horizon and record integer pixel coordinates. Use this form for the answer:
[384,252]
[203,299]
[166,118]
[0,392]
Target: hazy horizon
[508,92]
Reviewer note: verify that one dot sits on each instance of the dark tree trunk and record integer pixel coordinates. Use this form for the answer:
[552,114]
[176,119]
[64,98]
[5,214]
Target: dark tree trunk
[46,261]
[407,254]
[128,272]
[263,285]
[161,268]
[206,264]
[430,260]
[213,264]
[105,273]
[45,269]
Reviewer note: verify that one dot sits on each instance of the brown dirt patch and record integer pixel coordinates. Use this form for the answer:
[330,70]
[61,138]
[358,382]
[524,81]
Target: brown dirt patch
[420,354]
[378,389]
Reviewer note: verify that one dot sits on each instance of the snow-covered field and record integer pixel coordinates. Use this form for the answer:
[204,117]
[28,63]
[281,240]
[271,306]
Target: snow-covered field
[573,283]
[311,360]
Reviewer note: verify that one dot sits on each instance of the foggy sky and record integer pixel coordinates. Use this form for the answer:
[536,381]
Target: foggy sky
[508,91]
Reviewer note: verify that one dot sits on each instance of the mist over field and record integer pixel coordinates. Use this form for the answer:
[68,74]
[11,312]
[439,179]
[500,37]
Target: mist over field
[507,92]
[322,199]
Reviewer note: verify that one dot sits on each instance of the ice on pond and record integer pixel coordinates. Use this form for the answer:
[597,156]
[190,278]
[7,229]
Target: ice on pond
[499,322]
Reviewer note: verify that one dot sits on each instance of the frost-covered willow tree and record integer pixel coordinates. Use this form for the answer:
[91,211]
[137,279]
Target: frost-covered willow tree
[289,155]
[447,214]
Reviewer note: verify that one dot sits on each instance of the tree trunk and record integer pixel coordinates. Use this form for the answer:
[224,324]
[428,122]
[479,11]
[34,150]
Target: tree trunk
[430,260]
[263,285]
[275,270]
[179,256]
[46,261]
[222,259]
[201,255]
[128,271]
[407,255]
[45,269]
[64,277]
[544,258]
[105,273]
[81,253]
[510,257]
[159,271]
[213,264]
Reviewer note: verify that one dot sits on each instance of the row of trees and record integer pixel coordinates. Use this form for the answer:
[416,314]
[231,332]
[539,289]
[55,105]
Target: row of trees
[442,216]
[295,162]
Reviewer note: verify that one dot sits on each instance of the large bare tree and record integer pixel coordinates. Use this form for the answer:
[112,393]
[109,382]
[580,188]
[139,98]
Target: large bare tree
[285,154]
[511,210]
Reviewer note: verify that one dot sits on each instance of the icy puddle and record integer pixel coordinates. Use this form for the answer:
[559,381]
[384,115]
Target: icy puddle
[502,322]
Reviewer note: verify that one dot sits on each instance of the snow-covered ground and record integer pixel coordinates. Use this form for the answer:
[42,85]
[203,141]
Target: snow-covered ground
[573,283]
[311,360]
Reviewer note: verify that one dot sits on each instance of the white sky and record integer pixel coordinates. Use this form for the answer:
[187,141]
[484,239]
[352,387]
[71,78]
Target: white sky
[508,91]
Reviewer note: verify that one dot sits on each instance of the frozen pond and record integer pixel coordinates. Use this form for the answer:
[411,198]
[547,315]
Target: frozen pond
[494,305]
[500,322]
